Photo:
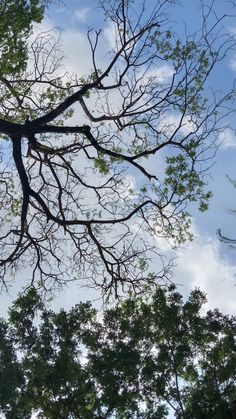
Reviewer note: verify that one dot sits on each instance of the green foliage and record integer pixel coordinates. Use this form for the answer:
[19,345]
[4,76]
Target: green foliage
[101,164]
[16,48]
[147,354]
[71,184]
[185,183]
[11,375]
[17,17]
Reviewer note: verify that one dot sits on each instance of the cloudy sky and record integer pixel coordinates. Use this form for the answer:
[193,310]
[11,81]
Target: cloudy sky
[205,262]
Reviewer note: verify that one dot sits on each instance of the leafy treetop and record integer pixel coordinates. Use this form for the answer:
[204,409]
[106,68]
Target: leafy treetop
[147,356]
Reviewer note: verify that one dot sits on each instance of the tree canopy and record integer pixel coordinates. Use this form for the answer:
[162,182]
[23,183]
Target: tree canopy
[145,357]
[73,143]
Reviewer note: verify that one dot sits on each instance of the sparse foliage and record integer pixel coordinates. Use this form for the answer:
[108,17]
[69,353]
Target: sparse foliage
[71,145]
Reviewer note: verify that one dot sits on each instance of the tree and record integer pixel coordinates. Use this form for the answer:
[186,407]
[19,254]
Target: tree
[17,18]
[146,356]
[71,144]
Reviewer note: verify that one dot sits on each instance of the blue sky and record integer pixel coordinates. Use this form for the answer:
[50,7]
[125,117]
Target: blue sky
[205,262]
[205,257]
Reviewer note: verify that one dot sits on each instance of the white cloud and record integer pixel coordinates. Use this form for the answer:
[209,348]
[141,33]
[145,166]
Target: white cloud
[169,123]
[161,74]
[77,56]
[232,64]
[200,264]
[227,139]
[110,35]
[81,14]
[75,48]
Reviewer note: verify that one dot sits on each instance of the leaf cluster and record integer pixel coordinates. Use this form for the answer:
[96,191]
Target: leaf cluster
[17,17]
[147,356]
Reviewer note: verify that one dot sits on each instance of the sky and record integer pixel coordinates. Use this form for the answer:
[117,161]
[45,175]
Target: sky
[205,262]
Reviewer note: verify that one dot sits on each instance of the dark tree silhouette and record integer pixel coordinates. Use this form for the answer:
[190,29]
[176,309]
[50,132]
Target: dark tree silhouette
[146,357]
